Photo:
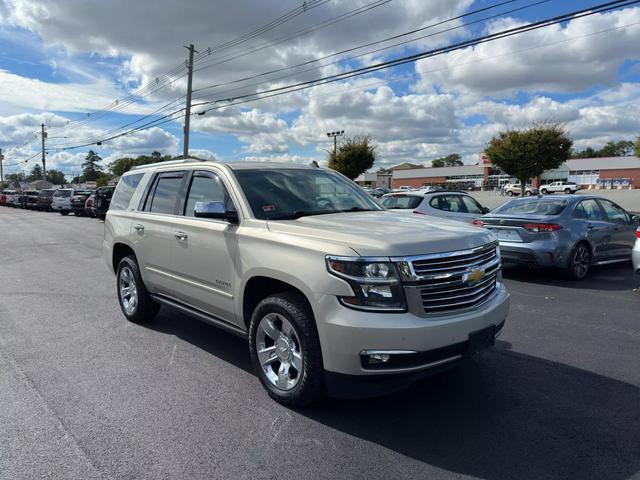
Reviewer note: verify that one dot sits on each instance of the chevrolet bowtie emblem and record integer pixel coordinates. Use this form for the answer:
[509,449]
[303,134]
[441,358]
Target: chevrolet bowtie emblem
[473,276]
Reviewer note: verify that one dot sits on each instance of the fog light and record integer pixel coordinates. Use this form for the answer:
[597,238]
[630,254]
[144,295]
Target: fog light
[379,358]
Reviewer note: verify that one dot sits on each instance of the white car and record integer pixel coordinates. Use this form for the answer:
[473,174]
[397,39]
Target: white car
[458,206]
[559,187]
[635,253]
[62,201]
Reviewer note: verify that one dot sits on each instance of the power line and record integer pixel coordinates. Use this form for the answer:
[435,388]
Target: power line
[438,51]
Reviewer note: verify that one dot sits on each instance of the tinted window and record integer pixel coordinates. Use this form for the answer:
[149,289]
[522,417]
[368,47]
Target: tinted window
[124,191]
[613,211]
[205,188]
[283,192]
[532,207]
[402,201]
[165,194]
[589,210]
[448,203]
[471,205]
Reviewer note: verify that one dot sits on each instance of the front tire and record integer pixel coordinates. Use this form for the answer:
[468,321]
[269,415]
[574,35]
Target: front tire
[509,193]
[527,193]
[285,350]
[64,213]
[134,299]
[579,262]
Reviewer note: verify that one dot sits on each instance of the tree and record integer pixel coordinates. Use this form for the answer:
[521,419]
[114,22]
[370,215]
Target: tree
[122,165]
[527,153]
[354,156]
[637,147]
[36,173]
[621,148]
[90,168]
[452,160]
[55,176]
[103,179]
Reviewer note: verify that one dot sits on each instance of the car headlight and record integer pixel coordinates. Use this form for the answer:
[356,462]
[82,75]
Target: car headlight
[375,283]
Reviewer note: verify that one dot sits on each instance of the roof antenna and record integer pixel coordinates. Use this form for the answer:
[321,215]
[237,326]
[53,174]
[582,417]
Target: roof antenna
[314,164]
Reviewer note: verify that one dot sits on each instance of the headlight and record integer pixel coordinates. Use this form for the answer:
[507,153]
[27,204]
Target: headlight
[375,283]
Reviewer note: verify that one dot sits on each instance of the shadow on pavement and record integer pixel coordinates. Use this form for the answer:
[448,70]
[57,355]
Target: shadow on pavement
[606,277]
[502,416]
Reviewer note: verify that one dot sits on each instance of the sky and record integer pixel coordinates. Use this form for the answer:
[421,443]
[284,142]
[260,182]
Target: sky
[90,70]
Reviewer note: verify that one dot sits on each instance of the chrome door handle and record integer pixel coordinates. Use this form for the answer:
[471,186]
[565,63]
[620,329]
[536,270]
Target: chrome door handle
[139,228]
[181,236]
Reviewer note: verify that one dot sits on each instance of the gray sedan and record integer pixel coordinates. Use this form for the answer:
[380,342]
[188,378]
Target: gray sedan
[569,232]
[457,206]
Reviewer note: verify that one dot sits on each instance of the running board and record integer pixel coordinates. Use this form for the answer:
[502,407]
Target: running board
[608,262]
[200,315]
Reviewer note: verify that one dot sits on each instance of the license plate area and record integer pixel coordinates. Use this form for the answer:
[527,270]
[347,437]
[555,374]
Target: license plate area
[506,234]
[482,339]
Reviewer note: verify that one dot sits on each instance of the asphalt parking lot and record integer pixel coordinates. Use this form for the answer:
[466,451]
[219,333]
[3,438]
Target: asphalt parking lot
[84,394]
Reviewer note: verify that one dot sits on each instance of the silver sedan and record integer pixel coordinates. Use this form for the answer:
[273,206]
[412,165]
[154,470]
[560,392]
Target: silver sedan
[570,232]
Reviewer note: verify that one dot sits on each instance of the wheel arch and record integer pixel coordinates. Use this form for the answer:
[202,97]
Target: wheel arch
[119,251]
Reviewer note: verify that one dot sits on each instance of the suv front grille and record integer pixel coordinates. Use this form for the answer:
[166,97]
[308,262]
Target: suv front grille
[457,280]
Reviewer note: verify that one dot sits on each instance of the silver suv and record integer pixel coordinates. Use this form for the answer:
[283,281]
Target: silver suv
[334,293]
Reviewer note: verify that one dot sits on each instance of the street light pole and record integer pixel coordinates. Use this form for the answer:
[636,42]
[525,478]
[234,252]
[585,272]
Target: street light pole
[335,136]
[1,172]
[44,160]
[187,117]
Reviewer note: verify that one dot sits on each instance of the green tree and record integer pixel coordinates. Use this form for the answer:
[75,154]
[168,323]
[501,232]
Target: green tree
[637,147]
[621,148]
[102,179]
[90,168]
[452,160]
[122,165]
[354,156]
[55,176]
[36,173]
[527,153]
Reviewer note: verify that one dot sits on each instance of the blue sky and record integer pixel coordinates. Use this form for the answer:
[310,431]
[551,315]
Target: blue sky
[60,61]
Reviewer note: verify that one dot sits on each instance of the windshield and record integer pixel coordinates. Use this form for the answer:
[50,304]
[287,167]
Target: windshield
[289,193]
[62,193]
[532,207]
[402,201]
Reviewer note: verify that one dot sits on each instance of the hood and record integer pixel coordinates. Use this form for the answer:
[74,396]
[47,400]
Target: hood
[385,233]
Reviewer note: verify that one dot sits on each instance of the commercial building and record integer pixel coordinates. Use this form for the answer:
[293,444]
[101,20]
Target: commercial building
[590,173]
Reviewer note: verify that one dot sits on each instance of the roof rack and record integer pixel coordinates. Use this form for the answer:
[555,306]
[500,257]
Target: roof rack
[169,162]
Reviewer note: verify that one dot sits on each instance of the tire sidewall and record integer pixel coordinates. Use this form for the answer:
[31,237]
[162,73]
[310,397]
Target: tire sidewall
[146,308]
[303,393]
[572,271]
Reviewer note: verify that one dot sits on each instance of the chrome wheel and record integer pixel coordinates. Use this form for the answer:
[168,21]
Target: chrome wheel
[581,261]
[128,291]
[279,351]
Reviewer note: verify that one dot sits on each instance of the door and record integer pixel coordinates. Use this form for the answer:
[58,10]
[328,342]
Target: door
[622,230]
[152,232]
[205,250]
[596,228]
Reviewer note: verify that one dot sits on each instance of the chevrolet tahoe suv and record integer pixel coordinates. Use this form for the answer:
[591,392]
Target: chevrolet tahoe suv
[333,293]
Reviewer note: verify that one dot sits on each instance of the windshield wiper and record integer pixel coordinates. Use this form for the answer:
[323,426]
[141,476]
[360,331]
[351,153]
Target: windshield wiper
[300,213]
[356,209]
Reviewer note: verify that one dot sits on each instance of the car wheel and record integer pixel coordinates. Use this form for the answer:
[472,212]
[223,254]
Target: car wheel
[567,191]
[285,349]
[134,299]
[579,262]
[509,193]
[77,214]
[64,212]
[544,191]
[527,194]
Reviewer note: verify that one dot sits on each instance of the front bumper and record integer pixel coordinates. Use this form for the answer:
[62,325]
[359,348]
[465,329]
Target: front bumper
[345,333]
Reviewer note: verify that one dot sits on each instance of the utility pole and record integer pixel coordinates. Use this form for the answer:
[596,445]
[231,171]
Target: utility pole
[187,118]
[335,136]
[1,172]
[44,160]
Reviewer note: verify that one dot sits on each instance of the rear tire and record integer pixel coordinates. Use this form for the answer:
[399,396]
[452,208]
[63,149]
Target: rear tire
[579,262]
[567,191]
[527,194]
[544,191]
[135,301]
[285,349]
[64,213]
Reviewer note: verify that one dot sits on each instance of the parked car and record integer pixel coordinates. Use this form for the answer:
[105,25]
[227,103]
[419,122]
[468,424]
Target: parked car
[570,232]
[559,187]
[77,201]
[102,201]
[3,199]
[404,188]
[333,293]
[62,201]
[636,253]
[32,199]
[45,198]
[10,195]
[437,203]
[88,205]
[380,191]
[513,189]
[20,199]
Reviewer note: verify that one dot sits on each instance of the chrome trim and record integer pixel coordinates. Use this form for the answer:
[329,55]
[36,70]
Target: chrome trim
[366,308]
[454,253]
[387,352]
[411,369]
[189,282]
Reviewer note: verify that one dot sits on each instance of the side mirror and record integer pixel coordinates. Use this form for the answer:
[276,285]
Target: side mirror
[485,210]
[635,219]
[214,210]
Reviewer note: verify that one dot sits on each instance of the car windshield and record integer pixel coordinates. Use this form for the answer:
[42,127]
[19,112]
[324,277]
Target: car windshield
[404,202]
[289,193]
[62,193]
[532,207]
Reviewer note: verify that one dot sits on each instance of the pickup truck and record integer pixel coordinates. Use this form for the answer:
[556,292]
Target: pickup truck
[333,293]
[559,187]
